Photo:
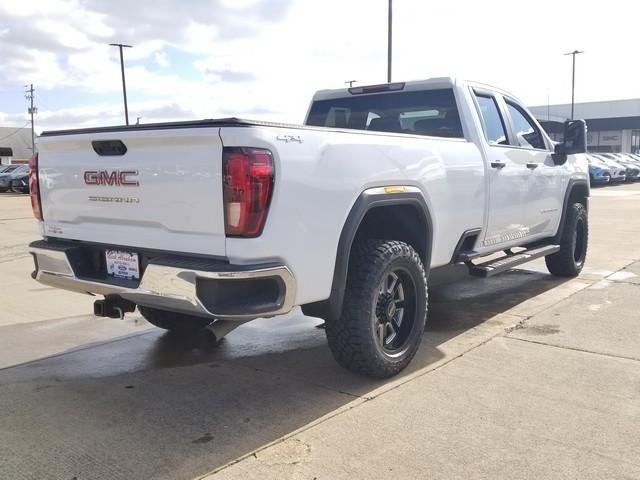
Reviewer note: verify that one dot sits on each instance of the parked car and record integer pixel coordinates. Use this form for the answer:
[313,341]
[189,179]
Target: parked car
[599,172]
[7,174]
[344,216]
[20,181]
[629,157]
[618,171]
[632,170]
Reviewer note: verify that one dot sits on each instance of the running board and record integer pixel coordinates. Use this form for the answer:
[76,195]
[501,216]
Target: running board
[493,267]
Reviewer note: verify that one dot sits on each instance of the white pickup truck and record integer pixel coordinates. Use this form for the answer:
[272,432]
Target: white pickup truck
[215,222]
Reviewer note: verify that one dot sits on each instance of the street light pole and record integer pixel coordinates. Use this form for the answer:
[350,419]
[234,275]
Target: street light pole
[573,77]
[124,84]
[389,40]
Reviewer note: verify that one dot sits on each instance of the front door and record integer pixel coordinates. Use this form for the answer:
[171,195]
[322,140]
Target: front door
[543,205]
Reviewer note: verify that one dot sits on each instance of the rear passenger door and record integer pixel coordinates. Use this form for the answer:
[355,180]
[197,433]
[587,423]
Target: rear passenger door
[507,176]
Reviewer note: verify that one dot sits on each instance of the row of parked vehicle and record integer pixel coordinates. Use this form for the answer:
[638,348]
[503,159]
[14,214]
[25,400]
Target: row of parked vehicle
[14,178]
[613,167]
[604,168]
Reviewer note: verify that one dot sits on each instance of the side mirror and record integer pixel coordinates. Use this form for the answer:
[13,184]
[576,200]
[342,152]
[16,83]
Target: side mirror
[575,141]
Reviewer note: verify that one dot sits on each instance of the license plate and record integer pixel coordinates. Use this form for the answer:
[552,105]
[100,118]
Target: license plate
[122,264]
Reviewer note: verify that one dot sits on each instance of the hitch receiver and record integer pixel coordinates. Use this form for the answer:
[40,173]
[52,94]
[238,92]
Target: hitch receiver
[113,306]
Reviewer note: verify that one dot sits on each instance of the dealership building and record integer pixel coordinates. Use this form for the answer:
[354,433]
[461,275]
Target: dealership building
[612,126]
[15,145]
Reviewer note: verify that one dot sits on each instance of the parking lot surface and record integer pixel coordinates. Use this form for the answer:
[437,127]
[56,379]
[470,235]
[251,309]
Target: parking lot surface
[523,375]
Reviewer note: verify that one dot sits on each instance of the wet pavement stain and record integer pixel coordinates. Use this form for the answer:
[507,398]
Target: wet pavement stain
[206,438]
[543,329]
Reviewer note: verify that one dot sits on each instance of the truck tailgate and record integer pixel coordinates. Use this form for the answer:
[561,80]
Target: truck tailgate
[164,193]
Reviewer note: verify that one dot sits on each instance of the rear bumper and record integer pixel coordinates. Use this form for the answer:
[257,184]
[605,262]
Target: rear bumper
[202,287]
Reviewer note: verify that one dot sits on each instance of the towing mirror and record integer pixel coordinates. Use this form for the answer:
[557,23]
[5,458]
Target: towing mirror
[575,141]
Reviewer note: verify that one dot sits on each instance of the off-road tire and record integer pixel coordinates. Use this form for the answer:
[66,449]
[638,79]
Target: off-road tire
[174,322]
[352,338]
[568,262]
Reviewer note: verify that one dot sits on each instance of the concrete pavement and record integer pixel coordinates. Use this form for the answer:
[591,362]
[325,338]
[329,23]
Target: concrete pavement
[520,376]
[558,397]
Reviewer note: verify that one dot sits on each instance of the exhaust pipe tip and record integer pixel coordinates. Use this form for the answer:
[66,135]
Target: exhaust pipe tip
[213,333]
[207,339]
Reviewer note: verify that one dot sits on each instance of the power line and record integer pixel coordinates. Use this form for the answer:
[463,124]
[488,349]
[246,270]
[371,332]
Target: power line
[15,131]
[39,99]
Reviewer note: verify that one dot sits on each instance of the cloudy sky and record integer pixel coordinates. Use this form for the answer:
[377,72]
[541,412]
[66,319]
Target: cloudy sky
[263,59]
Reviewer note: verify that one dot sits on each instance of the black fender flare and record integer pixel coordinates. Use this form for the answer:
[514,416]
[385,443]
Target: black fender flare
[573,184]
[331,308]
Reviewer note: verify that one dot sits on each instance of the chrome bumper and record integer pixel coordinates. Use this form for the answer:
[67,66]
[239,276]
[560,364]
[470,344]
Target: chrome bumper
[164,287]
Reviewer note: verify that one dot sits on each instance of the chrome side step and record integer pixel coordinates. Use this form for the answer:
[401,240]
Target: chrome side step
[493,267]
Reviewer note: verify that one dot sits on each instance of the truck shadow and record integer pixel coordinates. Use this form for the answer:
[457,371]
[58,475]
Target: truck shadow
[155,405]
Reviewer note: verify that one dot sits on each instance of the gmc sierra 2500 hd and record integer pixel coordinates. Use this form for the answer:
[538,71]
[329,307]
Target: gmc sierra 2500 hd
[215,222]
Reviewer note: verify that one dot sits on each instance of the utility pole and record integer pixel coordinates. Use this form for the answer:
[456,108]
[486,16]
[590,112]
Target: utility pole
[389,40]
[32,111]
[573,77]
[124,84]
[351,82]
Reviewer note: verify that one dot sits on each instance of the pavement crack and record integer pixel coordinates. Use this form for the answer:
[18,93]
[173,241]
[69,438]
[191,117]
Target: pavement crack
[518,326]
[574,349]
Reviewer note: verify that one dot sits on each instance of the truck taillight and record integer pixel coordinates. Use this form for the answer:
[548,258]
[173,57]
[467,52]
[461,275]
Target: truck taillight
[34,188]
[248,184]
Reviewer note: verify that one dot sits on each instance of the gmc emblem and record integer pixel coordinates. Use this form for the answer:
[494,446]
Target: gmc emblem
[118,178]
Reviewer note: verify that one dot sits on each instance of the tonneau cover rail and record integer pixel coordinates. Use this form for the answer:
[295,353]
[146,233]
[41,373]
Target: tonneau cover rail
[220,122]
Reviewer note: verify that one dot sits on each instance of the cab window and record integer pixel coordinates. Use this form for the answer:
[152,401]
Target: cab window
[527,133]
[424,112]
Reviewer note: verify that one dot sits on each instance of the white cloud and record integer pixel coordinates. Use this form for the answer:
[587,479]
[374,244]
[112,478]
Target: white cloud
[162,59]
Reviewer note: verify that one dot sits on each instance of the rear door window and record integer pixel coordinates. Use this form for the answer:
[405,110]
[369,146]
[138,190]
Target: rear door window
[425,112]
[492,122]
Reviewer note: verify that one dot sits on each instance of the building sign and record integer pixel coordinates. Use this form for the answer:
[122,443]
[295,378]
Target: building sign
[613,138]
[610,138]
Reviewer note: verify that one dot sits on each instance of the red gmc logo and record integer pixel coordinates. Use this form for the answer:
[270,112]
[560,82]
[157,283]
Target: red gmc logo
[118,178]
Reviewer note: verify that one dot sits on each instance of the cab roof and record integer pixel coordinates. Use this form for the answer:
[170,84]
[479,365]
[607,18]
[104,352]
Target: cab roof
[413,85]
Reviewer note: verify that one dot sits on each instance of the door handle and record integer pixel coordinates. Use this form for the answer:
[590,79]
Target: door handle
[498,164]
[532,165]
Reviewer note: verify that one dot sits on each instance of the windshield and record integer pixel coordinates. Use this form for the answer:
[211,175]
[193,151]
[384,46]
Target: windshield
[426,112]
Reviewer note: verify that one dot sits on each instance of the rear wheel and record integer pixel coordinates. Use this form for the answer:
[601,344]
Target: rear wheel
[568,262]
[384,309]
[174,322]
